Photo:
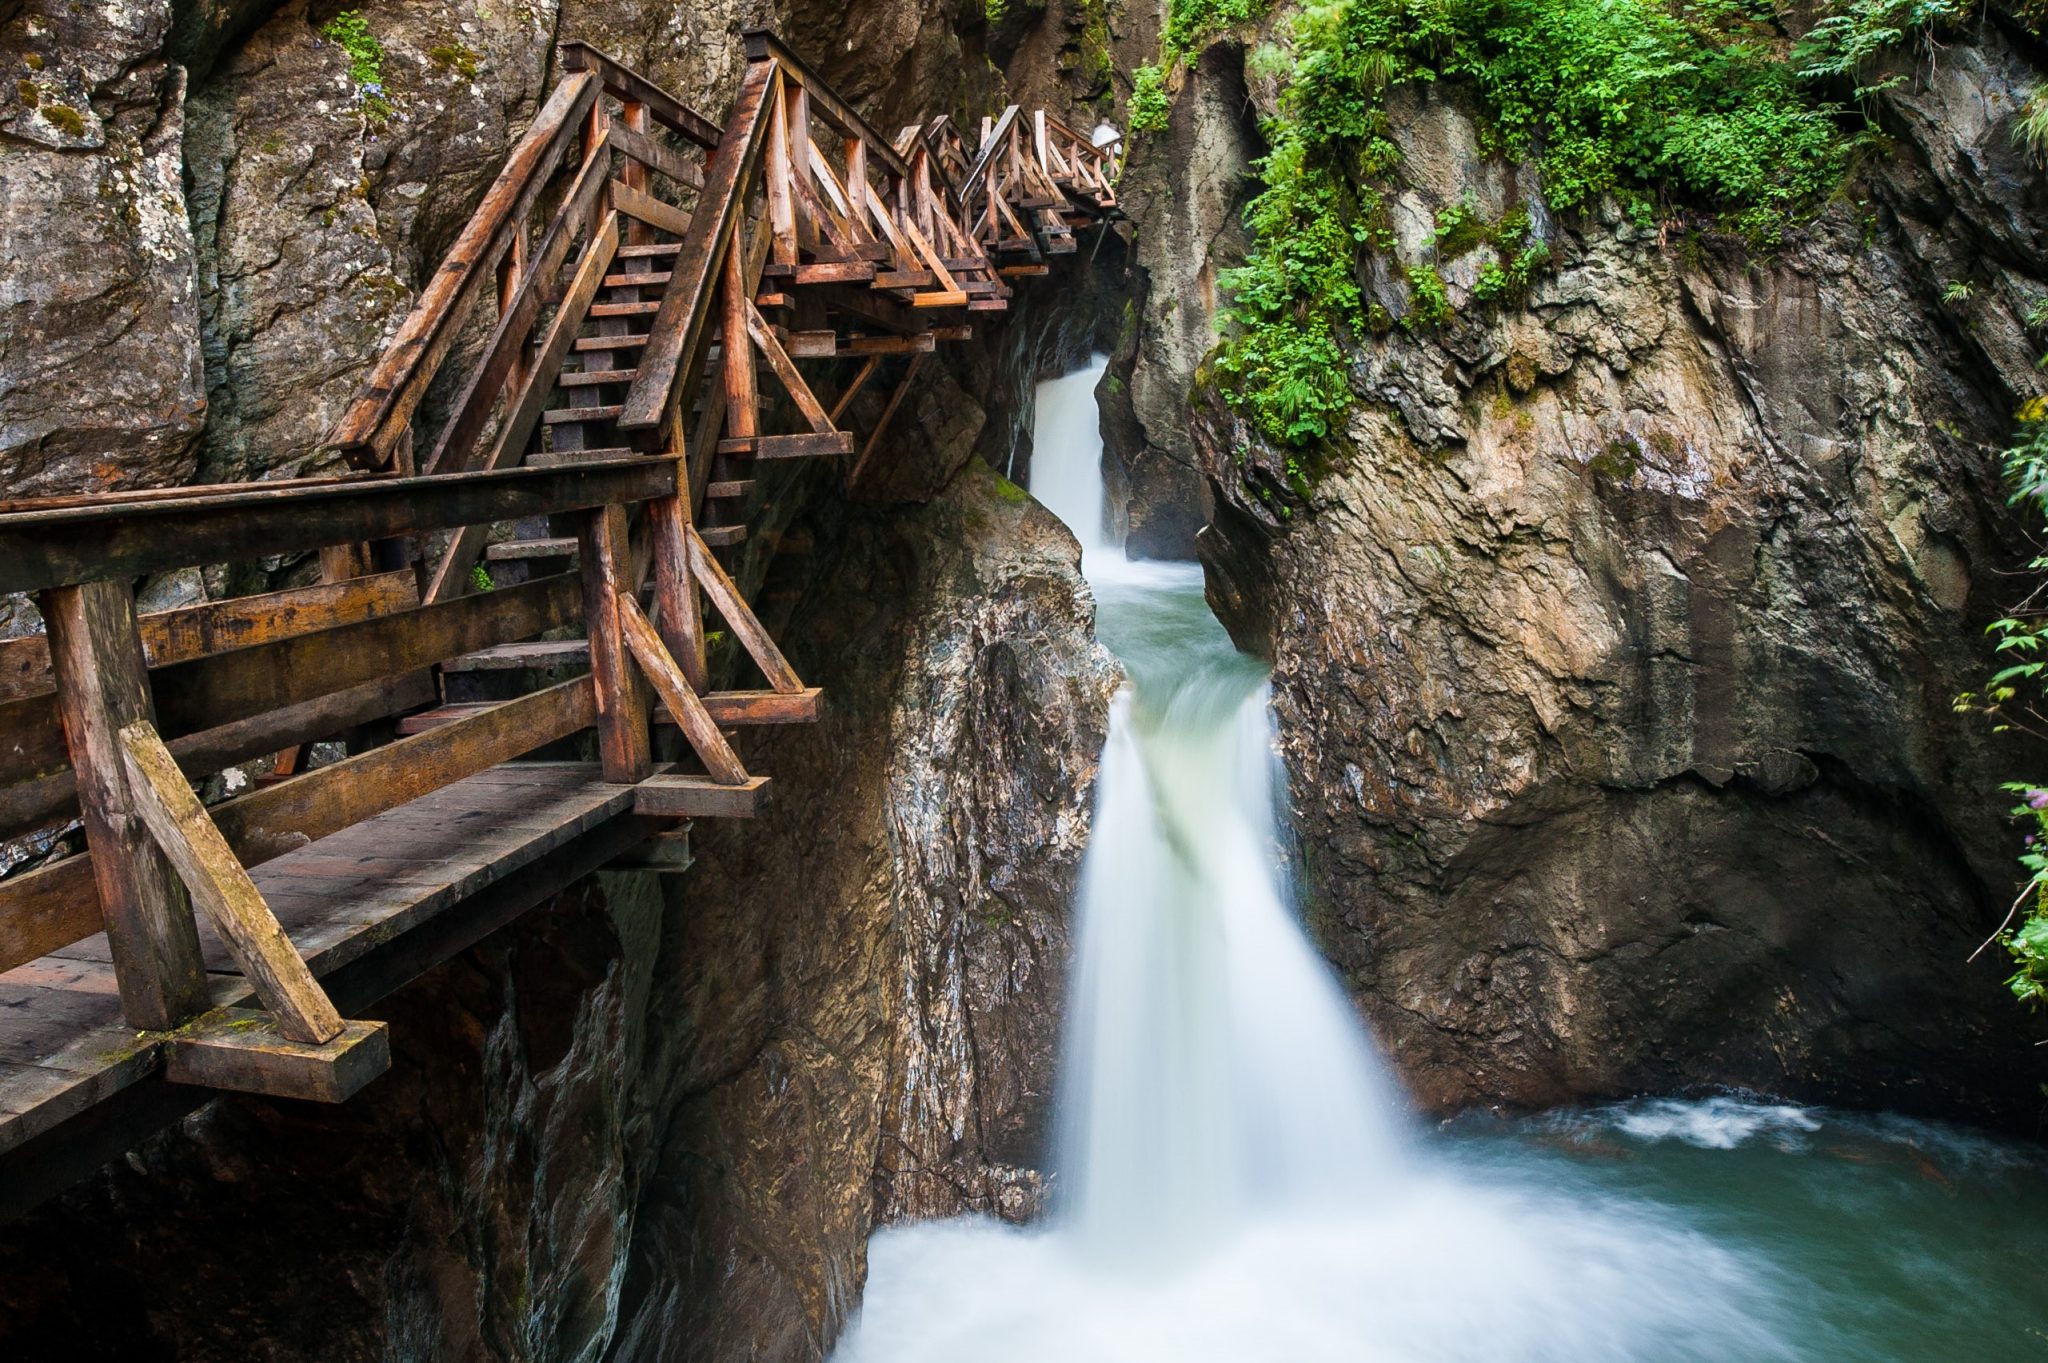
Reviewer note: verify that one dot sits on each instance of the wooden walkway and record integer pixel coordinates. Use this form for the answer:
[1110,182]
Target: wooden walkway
[676,309]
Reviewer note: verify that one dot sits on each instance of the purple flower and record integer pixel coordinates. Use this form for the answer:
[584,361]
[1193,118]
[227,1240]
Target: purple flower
[2037,799]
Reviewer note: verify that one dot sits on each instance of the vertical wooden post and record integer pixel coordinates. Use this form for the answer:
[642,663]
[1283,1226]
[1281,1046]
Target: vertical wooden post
[634,116]
[857,182]
[781,193]
[511,271]
[742,416]
[675,586]
[103,686]
[622,709]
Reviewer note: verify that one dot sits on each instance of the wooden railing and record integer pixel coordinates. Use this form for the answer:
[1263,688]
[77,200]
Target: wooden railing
[794,232]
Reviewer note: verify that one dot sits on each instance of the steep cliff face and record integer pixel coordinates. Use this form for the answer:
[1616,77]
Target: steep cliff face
[658,1118]
[1616,643]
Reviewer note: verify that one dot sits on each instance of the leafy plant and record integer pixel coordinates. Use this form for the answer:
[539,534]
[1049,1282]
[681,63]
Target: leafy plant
[1845,44]
[1149,104]
[350,31]
[1658,104]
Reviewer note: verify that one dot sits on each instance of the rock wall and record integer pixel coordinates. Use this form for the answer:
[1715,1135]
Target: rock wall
[1616,645]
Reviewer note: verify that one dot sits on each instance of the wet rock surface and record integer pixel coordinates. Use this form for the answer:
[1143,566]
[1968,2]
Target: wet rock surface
[1617,644]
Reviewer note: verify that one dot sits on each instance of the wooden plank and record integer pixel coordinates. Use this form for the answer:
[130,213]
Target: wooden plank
[81,544]
[190,631]
[505,359]
[137,495]
[648,209]
[740,618]
[631,86]
[656,157]
[222,889]
[679,696]
[785,369]
[685,308]
[744,709]
[26,805]
[370,427]
[790,446]
[533,655]
[846,397]
[102,687]
[249,1052]
[508,550]
[621,705]
[698,797]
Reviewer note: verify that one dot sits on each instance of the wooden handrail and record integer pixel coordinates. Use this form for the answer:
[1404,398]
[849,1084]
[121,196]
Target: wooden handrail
[369,430]
[629,85]
[679,323]
[88,543]
[763,45]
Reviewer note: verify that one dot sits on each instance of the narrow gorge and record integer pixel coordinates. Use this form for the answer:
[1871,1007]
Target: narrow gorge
[1401,761]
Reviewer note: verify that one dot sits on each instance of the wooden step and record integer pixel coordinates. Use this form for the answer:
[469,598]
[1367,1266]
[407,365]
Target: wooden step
[526,549]
[241,1049]
[698,797]
[610,342]
[722,536]
[653,278]
[538,653]
[554,458]
[749,708]
[734,709]
[665,248]
[729,490]
[577,378]
[988,305]
[624,309]
[788,446]
[556,416]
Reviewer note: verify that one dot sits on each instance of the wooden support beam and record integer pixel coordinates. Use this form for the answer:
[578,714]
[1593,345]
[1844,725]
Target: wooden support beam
[223,890]
[846,397]
[656,157]
[745,709]
[740,618]
[785,369]
[621,705]
[247,1052]
[679,696]
[882,423]
[633,88]
[698,797]
[646,208]
[102,688]
[675,589]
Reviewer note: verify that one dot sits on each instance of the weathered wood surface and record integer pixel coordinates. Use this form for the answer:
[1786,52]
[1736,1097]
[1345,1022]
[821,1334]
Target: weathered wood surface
[63,1042]
[50,548]
[222,889]
[172,636]
[102,688]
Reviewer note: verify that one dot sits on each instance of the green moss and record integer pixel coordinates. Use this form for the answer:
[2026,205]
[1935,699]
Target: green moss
[1460,230]
[1010,492]
[455,58]
[30,93]
[65,119]
[34,61]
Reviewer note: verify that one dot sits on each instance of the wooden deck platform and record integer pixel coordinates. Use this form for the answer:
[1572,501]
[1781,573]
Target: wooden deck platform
[369,908]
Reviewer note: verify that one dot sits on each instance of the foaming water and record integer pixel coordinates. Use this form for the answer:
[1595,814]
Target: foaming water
[1236,1178]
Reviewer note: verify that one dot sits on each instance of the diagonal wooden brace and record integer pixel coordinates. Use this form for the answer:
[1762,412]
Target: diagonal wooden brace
[675,691]
[753,635]
[222,889]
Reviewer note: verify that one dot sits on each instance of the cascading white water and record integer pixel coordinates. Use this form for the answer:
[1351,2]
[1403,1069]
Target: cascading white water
[1234,1177]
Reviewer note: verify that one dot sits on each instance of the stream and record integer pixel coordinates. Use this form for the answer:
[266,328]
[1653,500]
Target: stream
[1238,1176]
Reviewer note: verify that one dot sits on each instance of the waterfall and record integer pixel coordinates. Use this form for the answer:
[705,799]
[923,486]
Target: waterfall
[1235,1179]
